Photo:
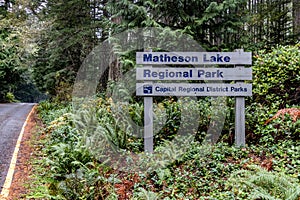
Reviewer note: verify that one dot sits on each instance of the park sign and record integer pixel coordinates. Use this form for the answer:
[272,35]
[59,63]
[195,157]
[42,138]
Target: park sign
[152,82]
[194,58]
[149,73]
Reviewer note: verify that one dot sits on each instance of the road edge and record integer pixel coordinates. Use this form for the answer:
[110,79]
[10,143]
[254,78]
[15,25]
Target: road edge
[9,177]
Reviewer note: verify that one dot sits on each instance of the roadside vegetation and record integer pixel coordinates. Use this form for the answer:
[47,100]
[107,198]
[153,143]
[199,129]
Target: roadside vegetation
[266,168]
[94,149]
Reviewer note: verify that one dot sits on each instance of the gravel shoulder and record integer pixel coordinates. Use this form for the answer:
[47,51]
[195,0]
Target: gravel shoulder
[12,118]
[23,168]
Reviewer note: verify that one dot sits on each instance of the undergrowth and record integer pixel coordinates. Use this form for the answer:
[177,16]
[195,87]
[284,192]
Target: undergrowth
[94,150]
[74,165]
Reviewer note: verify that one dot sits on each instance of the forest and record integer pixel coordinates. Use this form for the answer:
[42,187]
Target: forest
[75,59]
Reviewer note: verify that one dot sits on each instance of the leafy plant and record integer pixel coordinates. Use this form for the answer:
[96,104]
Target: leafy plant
[77,149]
[276,76]
[11,65]
[10,97]
[143,194]
[257,183]
[276,131]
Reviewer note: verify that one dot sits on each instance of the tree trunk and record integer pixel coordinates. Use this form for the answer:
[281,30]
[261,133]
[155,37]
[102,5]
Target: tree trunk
[114,65]
[296,17]
[114,73]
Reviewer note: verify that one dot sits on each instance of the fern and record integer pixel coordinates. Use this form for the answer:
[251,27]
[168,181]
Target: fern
[261,184]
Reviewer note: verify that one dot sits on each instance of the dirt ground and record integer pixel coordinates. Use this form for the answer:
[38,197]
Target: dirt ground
[23,167]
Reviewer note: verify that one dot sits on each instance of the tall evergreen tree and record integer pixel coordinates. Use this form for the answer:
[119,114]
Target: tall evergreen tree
[74,28]
[271,22]
[214,24]
[296,18]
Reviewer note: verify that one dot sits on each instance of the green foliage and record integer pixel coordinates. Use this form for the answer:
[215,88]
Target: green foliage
[275,86]
[214,25]
[276,76]
[50,111]
[210,172]
[270,24]
[143,194]
[73,171]
[16,49]
[71,30]
[286,158]
[74,152]
[258,183]
[11,66]
[64,44]
[26,91]
[77,144]
[10,97]
[278,130]
[4,8]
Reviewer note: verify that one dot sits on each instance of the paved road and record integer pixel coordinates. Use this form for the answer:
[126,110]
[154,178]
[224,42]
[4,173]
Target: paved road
[12,118]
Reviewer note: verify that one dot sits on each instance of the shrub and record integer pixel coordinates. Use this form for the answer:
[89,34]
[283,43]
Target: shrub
[10,97]
[276,76]
[276,131]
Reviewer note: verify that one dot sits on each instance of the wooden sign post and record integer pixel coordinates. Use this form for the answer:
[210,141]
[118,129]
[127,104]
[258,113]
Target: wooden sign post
[148,119]
[240,129]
